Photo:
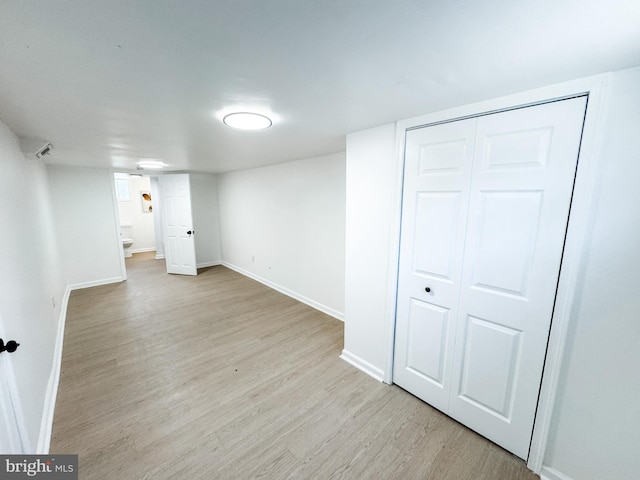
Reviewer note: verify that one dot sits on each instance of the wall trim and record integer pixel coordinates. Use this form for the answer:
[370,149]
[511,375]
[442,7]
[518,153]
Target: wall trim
[581,205]
[142,250]
[362,365]
[46,426]
[116,220]
[209,264]
[159,257]
[301,298]
[395,227]
[548,473]
[595,87]
[95,283]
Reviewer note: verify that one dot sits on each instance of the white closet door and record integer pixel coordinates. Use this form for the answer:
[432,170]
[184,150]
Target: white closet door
[521,182]
[434,212]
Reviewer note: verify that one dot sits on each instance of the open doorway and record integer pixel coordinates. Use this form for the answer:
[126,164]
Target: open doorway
[139,225]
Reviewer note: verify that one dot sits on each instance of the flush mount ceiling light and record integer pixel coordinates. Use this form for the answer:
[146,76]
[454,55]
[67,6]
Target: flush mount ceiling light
[150,165]
[247,121]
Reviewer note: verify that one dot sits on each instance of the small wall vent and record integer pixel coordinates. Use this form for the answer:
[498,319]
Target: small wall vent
[44,150]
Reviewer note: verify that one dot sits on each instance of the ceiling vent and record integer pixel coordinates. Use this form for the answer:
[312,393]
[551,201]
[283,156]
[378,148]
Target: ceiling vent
[44,150]
[35,146]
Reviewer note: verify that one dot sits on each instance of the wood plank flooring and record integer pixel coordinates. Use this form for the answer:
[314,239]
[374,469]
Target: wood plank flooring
[220,377]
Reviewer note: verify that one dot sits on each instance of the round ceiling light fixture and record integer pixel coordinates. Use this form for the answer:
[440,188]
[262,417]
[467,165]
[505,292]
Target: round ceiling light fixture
[247,121]
[150,165]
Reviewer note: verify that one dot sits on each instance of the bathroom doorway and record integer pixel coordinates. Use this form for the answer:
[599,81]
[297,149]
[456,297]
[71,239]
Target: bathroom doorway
[136,196]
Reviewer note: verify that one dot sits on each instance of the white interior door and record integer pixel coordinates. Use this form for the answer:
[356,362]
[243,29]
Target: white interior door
[9,433]
[178,232]
[10,440]
[486,345]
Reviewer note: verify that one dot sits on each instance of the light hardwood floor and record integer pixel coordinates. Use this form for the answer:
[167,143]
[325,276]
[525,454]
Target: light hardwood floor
[220,377]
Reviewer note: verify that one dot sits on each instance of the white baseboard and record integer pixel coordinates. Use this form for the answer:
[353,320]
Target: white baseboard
[363,365]
[159,257]
[95,283]
[142,250]
[209,264]
[44,439]
[301,298]
[548,473]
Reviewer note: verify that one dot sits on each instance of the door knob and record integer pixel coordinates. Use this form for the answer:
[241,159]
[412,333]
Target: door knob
[189,232]
[10,347]
[428,289]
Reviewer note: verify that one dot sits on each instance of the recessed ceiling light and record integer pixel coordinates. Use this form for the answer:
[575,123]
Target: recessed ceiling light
[150,164]
[247,121]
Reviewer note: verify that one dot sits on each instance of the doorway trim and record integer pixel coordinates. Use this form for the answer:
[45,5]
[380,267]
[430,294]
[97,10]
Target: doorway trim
[116,217]
[596,88]
[14,427]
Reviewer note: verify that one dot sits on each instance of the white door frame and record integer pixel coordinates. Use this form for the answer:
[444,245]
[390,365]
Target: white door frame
[116,217]
[157,219]
[13,428]
[596,88]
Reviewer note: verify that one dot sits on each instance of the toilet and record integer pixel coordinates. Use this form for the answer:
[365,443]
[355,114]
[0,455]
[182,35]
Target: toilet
[126,235]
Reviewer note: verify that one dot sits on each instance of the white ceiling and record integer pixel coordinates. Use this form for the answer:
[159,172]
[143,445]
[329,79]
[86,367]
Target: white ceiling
[111,81]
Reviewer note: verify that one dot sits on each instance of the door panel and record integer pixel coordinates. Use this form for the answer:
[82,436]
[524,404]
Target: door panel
[444,157]
[495,348]
[524,148]
[499,214]
[506,235]
[433,256]
[427,337]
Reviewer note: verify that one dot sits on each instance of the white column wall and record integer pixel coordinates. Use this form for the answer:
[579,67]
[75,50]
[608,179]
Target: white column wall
[206,221]
[157,217]
[86,225]
[370,184]
[595,431]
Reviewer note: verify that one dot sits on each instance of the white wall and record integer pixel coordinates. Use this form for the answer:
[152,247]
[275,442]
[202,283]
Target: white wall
[206,222]
[86,225]
[29,277]
[131,213]
[369,198]
[596,425]
[284,225]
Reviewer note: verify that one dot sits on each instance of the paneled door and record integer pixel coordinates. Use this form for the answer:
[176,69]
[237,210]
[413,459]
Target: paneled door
[485,210]
[10,442]
[10,435]
[434,216]
[177,224]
